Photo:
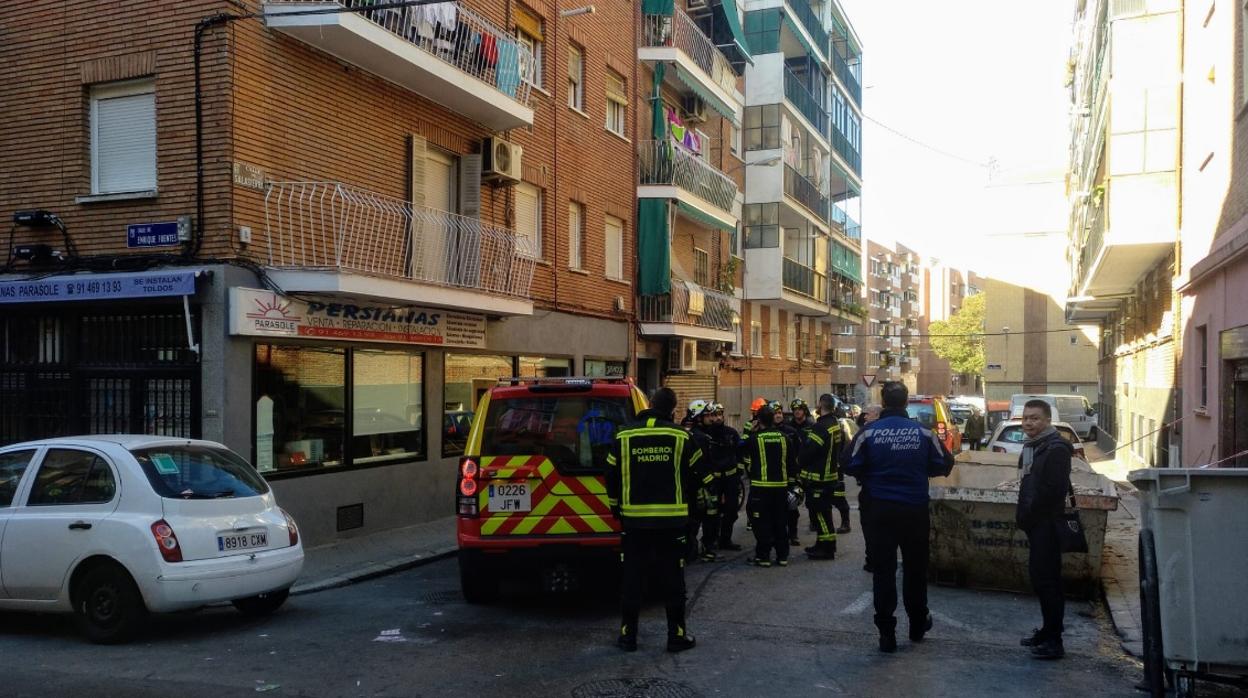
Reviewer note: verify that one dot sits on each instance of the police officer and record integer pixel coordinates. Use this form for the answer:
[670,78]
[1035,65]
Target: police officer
[649,472]
[771,460]
[706,510]
[894,458]
[820,474]
[725,442]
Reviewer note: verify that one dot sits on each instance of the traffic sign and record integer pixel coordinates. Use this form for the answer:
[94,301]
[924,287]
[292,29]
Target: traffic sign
[868,379]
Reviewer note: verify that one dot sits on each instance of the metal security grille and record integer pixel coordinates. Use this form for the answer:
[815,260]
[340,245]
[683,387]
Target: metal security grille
[97,372]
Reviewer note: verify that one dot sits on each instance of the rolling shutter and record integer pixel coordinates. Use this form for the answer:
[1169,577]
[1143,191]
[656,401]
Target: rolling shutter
[124,142]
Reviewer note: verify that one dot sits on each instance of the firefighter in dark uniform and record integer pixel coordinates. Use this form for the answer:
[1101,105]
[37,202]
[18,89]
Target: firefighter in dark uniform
[771,460]
[725,444]
[705,514]
[838,493]
[796,428]
[650,475]
[820,473]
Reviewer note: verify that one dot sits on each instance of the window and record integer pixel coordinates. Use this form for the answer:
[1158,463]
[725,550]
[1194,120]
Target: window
[300,403]
[617,103]
[1202,345]
[849,358]
[441,181]
[762,127]
[544,367]
[12,467]
[615,248]
[790,340]
[198,472]
[756,338]
[123,137]
[530,33]
[576,78]
[773,333]
[701,267]
[737,345]
[576,235]
[528,220]
[583,428]
[387,420]
[762,225]
[466,377]
[72,477]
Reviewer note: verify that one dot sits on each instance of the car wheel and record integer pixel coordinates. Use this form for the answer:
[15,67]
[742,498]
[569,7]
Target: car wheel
[109,606]
[475,581]
[262,604]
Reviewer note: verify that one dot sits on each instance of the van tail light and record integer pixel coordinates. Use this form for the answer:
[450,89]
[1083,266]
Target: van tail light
[941,429]
[998,449]
[466,493]
[167,541]
[291,528]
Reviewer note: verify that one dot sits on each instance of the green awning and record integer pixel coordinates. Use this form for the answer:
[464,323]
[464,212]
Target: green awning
[715,102]
[654,248]
[728,8]
[658,7]
[800,33]
[704,218]
[846,262]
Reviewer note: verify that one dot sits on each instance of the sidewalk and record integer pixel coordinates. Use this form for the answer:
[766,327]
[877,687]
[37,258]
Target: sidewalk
[356,559]
[1120,560]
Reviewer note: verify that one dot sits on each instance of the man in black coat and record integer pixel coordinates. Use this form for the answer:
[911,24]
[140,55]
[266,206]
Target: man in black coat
[1045,466]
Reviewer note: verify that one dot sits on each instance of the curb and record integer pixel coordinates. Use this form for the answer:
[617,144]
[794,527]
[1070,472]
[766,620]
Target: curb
[374,570]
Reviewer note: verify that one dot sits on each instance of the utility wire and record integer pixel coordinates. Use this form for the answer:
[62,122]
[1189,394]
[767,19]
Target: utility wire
[922,144]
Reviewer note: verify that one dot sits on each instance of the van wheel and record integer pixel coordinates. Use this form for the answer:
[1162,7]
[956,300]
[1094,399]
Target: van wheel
[261,604]
[109,606]
[475,581]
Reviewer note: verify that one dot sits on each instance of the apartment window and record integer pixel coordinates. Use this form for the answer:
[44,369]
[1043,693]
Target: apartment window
[701,267]
[617,103]
[756,338]
[441,181]
[790,340]
[762,127]
[734,139]
[528,220]
[614,248]
[576,78]
[576,235]
[736,339]
[1202,344]
[762,225]
[848,358]
[123,137]
[773,334]
[530,33]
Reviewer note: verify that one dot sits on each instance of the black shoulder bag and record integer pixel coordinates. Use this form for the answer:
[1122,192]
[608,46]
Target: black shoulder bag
[1070,529]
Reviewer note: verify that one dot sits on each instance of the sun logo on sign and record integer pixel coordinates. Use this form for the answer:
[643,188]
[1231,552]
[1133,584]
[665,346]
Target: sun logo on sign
[272,307]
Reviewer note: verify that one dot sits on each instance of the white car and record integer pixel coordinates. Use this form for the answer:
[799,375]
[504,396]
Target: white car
[113,527]
[1008,437]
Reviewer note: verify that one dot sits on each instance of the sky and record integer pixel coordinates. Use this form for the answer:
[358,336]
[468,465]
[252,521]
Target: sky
[981,80]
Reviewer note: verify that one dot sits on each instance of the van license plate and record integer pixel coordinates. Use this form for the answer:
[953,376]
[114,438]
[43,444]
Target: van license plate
[242,541]
[507,497]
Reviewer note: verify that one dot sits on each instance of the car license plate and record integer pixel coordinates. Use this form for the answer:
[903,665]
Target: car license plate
[510,496]
[242,541]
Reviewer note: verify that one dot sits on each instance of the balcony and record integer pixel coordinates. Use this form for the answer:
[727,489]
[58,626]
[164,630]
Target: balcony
[806,193]
[329,237]
[810,22]
[798,95]
[845,224]
[689,310]
[700,66]
[845,73]
[472,67]
[802,279]
[846,150]
[668,171]
[1133,230]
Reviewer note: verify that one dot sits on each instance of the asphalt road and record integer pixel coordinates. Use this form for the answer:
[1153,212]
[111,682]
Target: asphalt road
[804,630]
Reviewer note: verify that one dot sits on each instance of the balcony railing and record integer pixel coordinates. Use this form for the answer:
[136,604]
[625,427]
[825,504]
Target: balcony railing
[680,32]
[330,225]
[846,74]
[804,280]
[800,96]
[666,164]
[454,34]
[806,192]
[851,228]
[1092,244]
[846,149]
[688,304]
[808,18]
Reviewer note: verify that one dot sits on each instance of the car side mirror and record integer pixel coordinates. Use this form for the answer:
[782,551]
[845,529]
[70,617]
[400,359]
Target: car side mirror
[1091,412]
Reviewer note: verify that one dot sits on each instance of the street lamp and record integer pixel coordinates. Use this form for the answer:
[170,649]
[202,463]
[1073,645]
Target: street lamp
[770,161]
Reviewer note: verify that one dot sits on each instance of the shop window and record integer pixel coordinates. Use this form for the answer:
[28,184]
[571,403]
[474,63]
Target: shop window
[123,137]
[466,377]
[387,408]
[301,397]
[596,367]
[543,367]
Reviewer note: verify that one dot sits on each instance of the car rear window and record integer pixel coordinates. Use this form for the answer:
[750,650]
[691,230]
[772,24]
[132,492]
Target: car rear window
[1070,436]
[199,472]
[1012,435]
[924,412]
[574,431]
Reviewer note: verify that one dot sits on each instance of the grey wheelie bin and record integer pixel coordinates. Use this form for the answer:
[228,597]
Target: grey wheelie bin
[1193,576]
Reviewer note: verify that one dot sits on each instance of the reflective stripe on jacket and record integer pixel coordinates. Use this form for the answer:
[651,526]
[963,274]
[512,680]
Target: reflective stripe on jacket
[819,454]
[770,458]
[650,473]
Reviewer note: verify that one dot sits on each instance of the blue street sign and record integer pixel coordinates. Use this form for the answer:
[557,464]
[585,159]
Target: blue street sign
[152,234]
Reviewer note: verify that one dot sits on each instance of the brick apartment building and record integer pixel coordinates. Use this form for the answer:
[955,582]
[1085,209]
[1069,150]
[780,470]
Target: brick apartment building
[887,342]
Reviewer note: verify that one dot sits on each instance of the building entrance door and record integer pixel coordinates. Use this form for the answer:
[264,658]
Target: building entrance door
[1239,416]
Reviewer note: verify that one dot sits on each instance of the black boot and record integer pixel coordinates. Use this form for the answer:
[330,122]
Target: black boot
[680,643]
[888,634]
[920,628]
[627,640]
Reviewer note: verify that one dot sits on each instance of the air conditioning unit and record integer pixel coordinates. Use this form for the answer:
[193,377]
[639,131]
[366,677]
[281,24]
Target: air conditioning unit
[693,109]
[501,161]
[619,304]
[832,357]
[682,356]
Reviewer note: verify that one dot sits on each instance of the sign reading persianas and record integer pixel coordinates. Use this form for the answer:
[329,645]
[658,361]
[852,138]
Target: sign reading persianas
[268,314]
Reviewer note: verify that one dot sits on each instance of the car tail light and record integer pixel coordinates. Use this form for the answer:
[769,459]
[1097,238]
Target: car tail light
[291,528]
[998,449]
[167,541]
[466,496]
[941,429]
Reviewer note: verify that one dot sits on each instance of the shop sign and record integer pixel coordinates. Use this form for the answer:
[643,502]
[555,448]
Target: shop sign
[1235,343]
[268,314]
[101,287]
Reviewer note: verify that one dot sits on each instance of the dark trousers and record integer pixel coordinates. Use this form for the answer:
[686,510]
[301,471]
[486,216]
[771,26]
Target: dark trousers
[1044,564]
[819,500]
[864,521]
[769,511]
[729,504]
[895,525]
[840,502]
[793,517]
[666,547]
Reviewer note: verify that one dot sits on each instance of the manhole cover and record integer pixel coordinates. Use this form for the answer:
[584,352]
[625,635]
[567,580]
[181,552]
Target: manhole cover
[439,597]
[633,688]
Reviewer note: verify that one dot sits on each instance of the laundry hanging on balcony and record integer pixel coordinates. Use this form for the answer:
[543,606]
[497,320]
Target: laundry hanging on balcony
[654,248]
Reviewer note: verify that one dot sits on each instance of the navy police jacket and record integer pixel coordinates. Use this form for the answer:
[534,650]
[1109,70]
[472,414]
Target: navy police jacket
[894,456]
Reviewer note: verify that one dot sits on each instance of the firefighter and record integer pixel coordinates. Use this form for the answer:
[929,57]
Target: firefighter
[838,492]
[751,426]
[800,423]
[725,443]
[649,471]
[795,436]
[769,455]
[820,474]
[705,515]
